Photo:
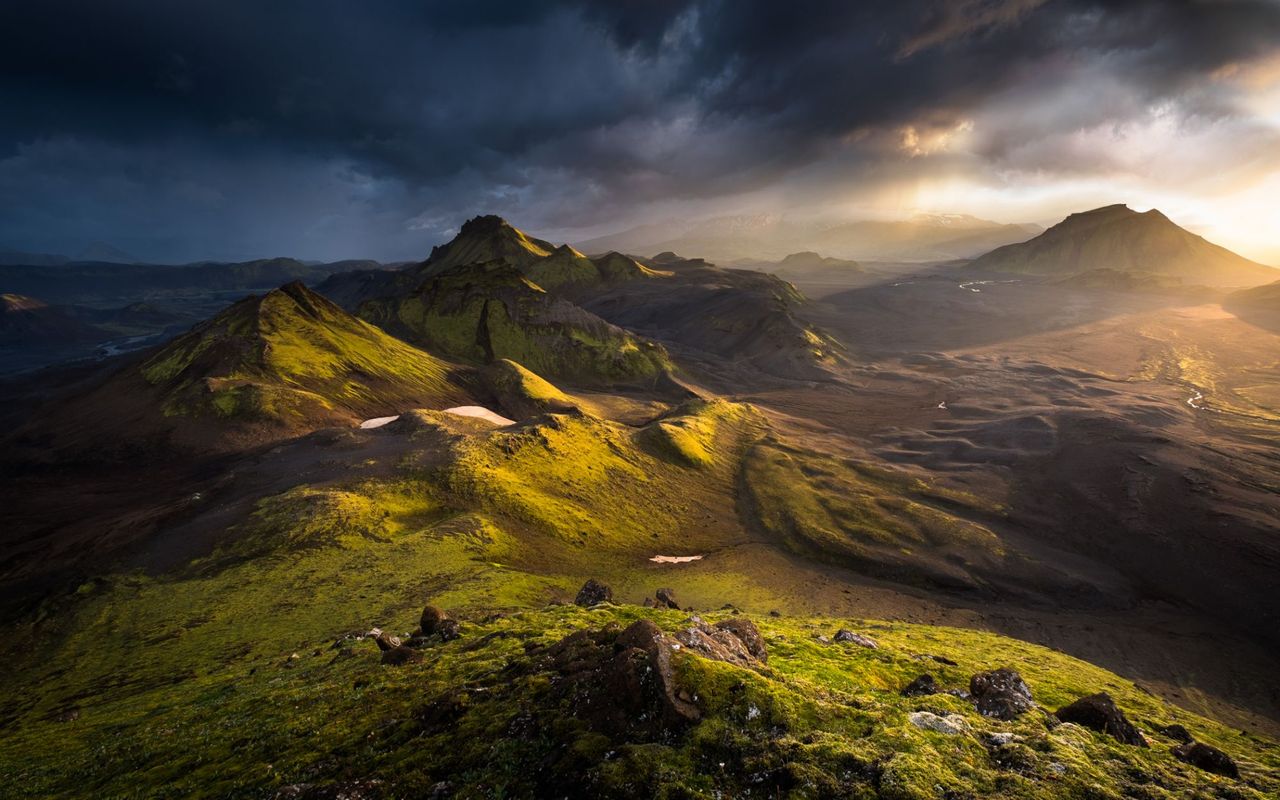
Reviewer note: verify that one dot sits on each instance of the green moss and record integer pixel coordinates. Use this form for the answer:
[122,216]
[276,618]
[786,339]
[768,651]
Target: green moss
[482,313]
[821,720]
[291,355]
[870,518]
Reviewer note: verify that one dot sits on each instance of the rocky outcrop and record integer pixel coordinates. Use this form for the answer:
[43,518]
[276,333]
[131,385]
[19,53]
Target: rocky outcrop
[921,686]
[1000,694]
[733,640]
[394,654]
[1208,758]
[621,683]
[1175,732]
[950,724]
[592,593]
[1099,712]
[666,598]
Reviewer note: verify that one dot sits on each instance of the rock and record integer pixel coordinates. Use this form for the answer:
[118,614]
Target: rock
[998,739]
[666,599]
[1001,693]
[843,635]
[1099,712]
[1176,732]
[775,613]
[921,686]
[621,684]
[384,641]
[716,643]
[746,630]
[592,593]
[448,630]
[1208,758]
[951,724]
[432,618]
[400,655]
[649,602]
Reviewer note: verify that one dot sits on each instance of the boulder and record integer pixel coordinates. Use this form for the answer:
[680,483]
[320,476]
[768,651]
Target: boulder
[666,599]
[1099,712]
[400,655]
[1176,732]
[448,630]
[951,724]
[621,684]
[593,592]
[747,631]
[432,618]
[1208,758]
[1000,694]
[715,643]
[921,686]
[859,639]
[384,641]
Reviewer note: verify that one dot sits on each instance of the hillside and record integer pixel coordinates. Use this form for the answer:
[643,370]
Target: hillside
[1265,297]
[256,669]
[1119,239]
[294,358]
[480,313]
[25,321]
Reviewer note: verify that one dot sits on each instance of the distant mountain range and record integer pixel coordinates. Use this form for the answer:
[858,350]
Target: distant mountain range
[1120,242]
[101,252]
[932,237]
[77,282]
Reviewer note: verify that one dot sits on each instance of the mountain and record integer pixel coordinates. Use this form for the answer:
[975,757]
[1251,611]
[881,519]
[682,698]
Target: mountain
[730,317]
[18,257]
[767,237]
[105,253]
[30,322]
[100,282]
[1265,297]
[1120,239]
[568,317]
[268,367]
[488,311]
[292,357]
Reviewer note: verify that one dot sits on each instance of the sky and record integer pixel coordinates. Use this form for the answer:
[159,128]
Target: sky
[320,129]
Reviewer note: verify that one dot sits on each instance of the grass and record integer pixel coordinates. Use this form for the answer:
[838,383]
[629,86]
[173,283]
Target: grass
[872,519]
[821,720]
[481,313]
[291,355]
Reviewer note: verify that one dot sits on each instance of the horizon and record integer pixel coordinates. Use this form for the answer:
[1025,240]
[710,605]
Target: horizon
[217,134]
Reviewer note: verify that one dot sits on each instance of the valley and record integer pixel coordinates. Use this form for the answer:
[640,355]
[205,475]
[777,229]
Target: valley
[936,453]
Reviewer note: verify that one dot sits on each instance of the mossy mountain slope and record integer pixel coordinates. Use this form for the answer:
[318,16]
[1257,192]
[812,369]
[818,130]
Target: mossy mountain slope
[744,316]
[1118,238]
[484,312]
[293,358]
[246,672]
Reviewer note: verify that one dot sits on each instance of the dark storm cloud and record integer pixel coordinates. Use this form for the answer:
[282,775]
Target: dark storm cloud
[320,127]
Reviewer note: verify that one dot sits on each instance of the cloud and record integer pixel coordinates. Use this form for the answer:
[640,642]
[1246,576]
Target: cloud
[374,125]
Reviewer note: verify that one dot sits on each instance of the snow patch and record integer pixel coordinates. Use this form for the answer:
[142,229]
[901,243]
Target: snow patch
[480,412]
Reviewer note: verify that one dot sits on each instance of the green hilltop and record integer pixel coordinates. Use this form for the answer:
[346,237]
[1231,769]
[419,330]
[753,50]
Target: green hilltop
[292,357]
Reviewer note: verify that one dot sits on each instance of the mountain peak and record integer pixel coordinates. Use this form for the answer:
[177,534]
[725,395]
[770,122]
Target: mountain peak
[1119,239]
